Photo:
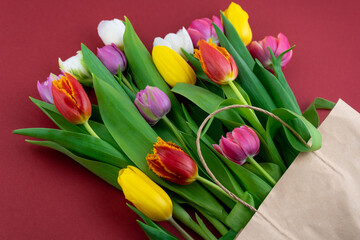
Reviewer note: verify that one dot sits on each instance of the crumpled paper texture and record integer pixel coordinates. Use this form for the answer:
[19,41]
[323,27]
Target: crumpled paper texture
[318,197]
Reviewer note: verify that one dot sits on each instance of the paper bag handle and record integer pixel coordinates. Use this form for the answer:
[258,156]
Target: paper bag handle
[232,195]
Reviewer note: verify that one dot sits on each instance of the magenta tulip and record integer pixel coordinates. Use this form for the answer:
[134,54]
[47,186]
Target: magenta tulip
[44,88]
[112,57]
[203,29]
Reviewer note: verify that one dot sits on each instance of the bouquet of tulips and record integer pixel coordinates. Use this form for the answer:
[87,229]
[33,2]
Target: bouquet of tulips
[141,137]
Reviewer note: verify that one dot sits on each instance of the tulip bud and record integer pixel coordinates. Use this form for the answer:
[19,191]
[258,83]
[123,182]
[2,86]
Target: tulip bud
[112,31]
[76,66]
[153,104]
[260,50]
[239,19]
[170,162]
[70,99]
[238,145]
[203,29]
[44,88]
[176,41]
[146,195]
[172,67]
[216,62]
[112,58]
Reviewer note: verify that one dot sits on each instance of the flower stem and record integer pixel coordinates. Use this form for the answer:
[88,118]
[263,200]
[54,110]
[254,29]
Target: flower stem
[213,186]
[252,118]
[127,83]
[261,170]
[176,132]
[90,130]
[180,229]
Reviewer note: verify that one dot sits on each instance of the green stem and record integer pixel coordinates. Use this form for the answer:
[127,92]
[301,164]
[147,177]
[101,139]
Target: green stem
[176,132]
[127,83]
[261,170]
[213,186]
[180,229]
[252,118]
[90,130]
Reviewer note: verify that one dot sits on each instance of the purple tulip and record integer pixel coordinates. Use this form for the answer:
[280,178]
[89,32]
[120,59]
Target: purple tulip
[111,56]
[238,145]
[153,104]
[203,29]
[44,88]
[260,50]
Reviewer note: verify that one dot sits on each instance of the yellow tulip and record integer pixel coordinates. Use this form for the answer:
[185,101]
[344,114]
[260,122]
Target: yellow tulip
[146,195]
[239,18]
[172,67]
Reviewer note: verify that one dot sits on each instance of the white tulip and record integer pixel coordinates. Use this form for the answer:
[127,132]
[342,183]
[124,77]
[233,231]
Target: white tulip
[176,41]
[112,31]
[76,66]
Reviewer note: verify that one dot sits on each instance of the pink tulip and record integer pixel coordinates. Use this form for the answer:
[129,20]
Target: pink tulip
[260,50]
[203,29]
[239,144]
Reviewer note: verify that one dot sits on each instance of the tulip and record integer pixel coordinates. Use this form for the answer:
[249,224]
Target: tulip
[170,162]
[146,195]
[112,31]
[112,58]
[176,41]
[44,89]
[172,67]
[239,19]
[216,62]
[260,50]
[153,104]
[240,146]
[203,29]
[76,66]
[70,99]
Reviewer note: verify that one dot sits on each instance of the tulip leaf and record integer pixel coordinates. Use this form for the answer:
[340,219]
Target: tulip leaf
[273,169]
[230,235]
[275,89]
[210,236]
[136,139]
[83,144]
[236,41]
[155,233]
[240,215]
[107,172]
[231,94]
[286,115]
[145,73]
[319,103]
[246,78]
[208,102]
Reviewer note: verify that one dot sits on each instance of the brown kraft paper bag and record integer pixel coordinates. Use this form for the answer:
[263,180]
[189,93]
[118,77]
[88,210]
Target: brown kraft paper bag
[318,197]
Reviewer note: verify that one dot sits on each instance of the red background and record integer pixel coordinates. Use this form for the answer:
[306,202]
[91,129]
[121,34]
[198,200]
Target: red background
[45,195]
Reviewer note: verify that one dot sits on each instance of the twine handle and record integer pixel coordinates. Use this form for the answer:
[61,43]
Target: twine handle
[198,136]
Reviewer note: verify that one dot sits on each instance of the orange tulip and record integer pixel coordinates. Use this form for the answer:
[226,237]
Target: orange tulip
[216,62]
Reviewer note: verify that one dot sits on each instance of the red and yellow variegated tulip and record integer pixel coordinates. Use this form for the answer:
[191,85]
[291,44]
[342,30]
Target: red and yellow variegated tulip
[216,62]
[170,162]
[70,99]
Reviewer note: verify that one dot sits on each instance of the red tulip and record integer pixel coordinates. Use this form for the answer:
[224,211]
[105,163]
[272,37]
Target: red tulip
[170,162]
[216,62]
[70,99]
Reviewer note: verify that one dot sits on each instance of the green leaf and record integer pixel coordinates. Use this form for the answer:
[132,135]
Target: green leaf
[230,235]
[136,139]
[236,41]
[207,101]
[275,89]
[145,73]
[286,115]
[240,215]
[210,236]
[319,103]
[246,78]
[83,144]
[107,172]
[273,169]
[155,233]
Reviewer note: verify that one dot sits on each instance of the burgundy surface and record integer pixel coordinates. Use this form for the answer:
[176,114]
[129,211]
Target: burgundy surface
[45,195]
